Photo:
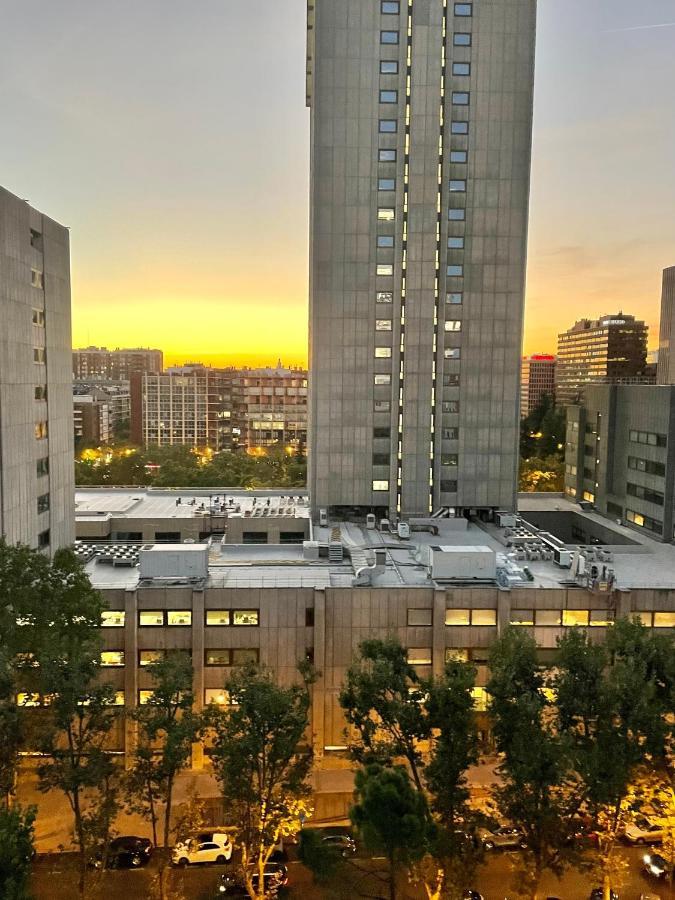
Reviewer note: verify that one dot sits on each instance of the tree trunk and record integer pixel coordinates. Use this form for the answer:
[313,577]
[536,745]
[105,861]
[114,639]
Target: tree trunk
[167,812]
[79,832]
[153,815]
[606,887]
[392,878]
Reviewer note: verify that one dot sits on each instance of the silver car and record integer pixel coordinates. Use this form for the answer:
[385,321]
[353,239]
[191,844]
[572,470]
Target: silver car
[507,837]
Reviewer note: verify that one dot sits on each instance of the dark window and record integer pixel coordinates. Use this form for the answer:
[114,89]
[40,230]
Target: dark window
[254,537]
[451,381]
[309,617]
[291,537]
[41,392]
[613,509]
[42,466]
[381,459]
[43,503]
[385,241]
[35,239]
[644,493]
[381,432]
[241,657]
[451,406]
[449,459]
[217,657]
[647,465]
[448,487]
[43,539]
[386,184]
[450,434]
[167,537]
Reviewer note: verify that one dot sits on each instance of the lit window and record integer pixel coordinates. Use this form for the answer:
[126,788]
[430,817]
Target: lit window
[453,325]
[36,278]
[217,657]
[455,271]
[112,658]
[385,241]
[384,297]
[389,37]
[148,657]
[28,699]
[217,617]
[388,126]
[390,6]
[664,620]
[457,186]
[457,215]
[383,353]
[484,617]
[388,96]
[112,618]
[116,699]
[380,485]
[150,618]
[216,695]
[458,156]
[463,9]
[246,617]
[385,269]
[550,617]
[452,654]
[419,617]
[386,155]
[455,243]
[480,699]
[461,68]
[459,127]
[458,617]
[522,617]
[386,184]
[645,618]
[589,496]
[383,379]
[573,617]
[460,39]
[144,697]
[454,297]
[389,67]
[386,214]
[450,406]
[419,656]
[179,617]
[383,325]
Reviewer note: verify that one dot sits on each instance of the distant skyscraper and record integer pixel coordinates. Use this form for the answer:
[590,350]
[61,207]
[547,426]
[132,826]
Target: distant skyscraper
[665,372]
[612,349]
[537,378]
[420,163]
[36,406]
[91,363]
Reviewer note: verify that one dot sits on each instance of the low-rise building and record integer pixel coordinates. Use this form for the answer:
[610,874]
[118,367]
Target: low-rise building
[101,411]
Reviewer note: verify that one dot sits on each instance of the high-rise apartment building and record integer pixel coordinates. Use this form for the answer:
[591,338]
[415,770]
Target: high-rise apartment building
[94,363]
[270,407]
[537,380]
[101,411]
[421,119]
[612,349]
[665,367]
[36,408]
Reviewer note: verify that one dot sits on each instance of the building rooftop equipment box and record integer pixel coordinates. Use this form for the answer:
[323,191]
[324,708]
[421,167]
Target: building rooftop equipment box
[462,563]
[174,561]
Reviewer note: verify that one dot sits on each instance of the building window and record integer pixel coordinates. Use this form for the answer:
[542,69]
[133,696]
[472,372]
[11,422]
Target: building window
[461,68]
[382,432]
[454,655]
[643,521]
[388,96]
[385,269]
[386,214]
[246,617]
[460,98]
[451,406]
[389,37]
[455,243]
[42,466]
[456,271]
[386,184]
[457,214]
[452,353]
[384,297]
[601,618]
[454,297]
[448,487]
[112,658]
[458,186]
[461,39]
[217,657]
[382,379]
[388,67]
[522,617]
[575,617]
[385,156]
[589,497]
[484,617]
[41,392]
[43,503]
[644,493]
[449,459]
[383,353]
[381,459]
[457,617]
[419,656]
[480,699]
[145,696]
[664,620]
[451,380]
[647,465]
[112,618]
[219,696]
[459,127]
[388,126]
[254,537]
[179,617]
[39,355]
[458,156]
[217,617]
[382,406]
[39,317]
[37,278]
[390,7]
[382,324]
[463,9]
[117,699]
[150,618]
[548,617]
[385,241]
[36,239]
[450,434]
[648,437]
[380,485]
[43,539]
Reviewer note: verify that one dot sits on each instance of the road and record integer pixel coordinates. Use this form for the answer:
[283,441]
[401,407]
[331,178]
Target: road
[55,879]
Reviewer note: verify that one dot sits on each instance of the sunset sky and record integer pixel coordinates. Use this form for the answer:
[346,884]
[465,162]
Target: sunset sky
[172,137]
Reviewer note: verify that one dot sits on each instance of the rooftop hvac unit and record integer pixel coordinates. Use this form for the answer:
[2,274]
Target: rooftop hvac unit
[174,561]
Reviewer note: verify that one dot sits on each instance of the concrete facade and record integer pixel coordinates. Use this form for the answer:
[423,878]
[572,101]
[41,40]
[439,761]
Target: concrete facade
[665,368]
[537,379]
[620,455]
[99,363]
[36,407]
[421,115]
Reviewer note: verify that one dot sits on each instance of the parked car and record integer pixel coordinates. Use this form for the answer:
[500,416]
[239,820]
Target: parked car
[649,897]
[642,831]
[126,852]
[472,895]
[275,877]
[208,847]
[342,842]
[598,894]
[656,865]
[507,837]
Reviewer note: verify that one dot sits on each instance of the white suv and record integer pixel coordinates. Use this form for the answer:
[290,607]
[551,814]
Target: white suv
[208,847]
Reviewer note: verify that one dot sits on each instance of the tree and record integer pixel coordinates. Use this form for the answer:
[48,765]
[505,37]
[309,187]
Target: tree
[383,698]
[320,858]
[538,474]
[262,761]
[16,851]
[391,817]
[542,432]
[540,791]
[167,729]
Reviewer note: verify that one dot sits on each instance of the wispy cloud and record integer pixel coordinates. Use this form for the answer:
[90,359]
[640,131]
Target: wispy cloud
[641,27]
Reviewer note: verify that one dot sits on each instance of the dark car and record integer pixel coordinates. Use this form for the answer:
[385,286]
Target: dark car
[276,877]
[472,895]
[126,852]
[342,842]
[598,894]
[656,866]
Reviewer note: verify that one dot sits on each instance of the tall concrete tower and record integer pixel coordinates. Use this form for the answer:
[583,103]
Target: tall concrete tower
[421,128]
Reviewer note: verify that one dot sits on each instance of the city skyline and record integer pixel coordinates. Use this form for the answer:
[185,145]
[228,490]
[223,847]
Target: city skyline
[226,236]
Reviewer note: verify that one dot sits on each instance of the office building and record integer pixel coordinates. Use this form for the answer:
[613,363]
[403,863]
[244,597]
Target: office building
[421,118]
[666,360]
[36,407]
[99,363]
[537,380]
[610,350]
[188,405]
[270,407]
[619,455]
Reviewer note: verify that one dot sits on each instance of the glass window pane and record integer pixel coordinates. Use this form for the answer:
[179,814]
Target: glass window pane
[246,617]
[148,657]
[144,697]
[419,656]
[460,127]
[219,696]
[484,617]
[548,617]
[522,617]
[572,617]
[601,617]
[458,617]
[480,699]
[456,215]
[664,620]
[112,618]
[387,156]
[112,658]
[217,657]
[217,616]
[644,617]
[179,617]
[241,657]
[389,67]
[454,655]
[389,37]
[150,618]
